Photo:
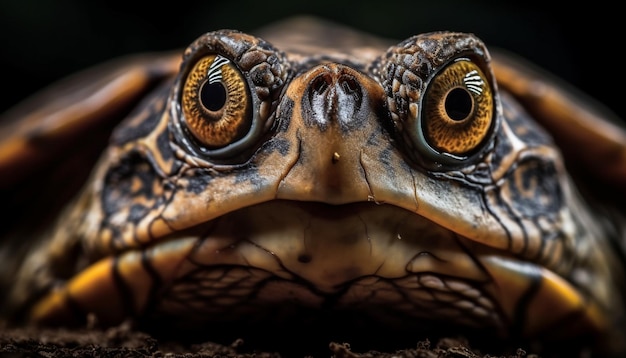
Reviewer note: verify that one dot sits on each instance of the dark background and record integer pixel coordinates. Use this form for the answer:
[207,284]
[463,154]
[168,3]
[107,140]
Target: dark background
[45,40]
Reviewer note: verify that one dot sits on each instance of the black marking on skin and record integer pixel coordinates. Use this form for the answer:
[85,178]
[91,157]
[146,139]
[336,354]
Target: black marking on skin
[162,203]
[480,189]
[378,268]
[502,148]
[151,109]
[198,180]
[365,176]
[482,200]
[163,145]
[490,211]
[521,123]
[301,156]
[373,68]
[385,159]
[414,182]
[119,182]
[137,212]
[373,140]
[385,156]
[475,175]
[544,174]
[119,193]
[284,113]
[500,201]
[296,279]
[191,283]
[291,165]
[417,305]
[481,174]
[281,145]
[77,312]
[545,237]
[191,286]
[157,281]
[459,178]
[521,308]
[329,299]
[569,320]
[460,242]
[123,289]
[521,207]
[250,176]
[369,239]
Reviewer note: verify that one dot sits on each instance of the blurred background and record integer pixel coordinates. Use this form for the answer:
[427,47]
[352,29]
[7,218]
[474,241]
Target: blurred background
[44,40]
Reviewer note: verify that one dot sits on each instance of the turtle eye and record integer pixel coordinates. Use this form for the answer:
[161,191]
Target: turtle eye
[457,109]
[216,102]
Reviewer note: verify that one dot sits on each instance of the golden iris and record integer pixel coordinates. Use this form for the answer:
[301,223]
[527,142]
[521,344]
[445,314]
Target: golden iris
[458,109]
[216,102]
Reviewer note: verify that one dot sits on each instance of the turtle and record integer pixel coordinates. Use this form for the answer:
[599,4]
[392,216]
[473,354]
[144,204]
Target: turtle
[310,174]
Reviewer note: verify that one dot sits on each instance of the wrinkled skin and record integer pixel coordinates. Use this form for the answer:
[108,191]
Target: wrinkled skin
[398,184]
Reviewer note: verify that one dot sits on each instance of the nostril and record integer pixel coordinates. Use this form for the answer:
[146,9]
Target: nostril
[321,83]
[351,87]
[335,94]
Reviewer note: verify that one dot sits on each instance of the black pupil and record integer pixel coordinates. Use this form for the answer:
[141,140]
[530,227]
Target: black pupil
[213,96]
[458,104]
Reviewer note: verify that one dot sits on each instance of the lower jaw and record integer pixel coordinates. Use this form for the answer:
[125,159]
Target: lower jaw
[284,265]
[296,319]
[247,295]
[290,264]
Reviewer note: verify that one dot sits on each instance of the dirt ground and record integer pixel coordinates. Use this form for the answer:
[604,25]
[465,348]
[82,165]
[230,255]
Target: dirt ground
[124,341]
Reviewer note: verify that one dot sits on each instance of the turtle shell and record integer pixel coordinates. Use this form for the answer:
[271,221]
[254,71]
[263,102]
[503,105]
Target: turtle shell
[590,136]
[53,138]
[50,143]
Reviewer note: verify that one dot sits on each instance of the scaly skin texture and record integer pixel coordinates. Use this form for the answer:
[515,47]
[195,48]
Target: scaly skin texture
[334,200]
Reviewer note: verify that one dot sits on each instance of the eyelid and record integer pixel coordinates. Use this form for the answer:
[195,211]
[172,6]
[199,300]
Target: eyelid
[265,71]
[406,70]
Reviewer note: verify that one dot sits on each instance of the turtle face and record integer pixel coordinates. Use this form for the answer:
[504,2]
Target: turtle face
[399,186]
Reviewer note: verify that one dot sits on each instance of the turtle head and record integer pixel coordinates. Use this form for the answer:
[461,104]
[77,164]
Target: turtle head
[398,185]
